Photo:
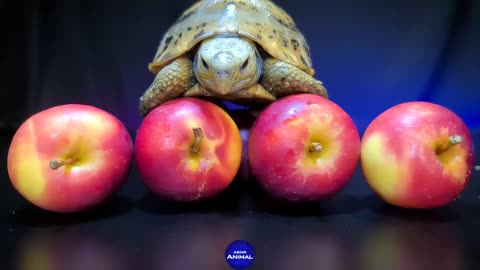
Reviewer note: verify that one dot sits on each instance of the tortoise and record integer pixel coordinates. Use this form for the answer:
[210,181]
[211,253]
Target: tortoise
[234,50]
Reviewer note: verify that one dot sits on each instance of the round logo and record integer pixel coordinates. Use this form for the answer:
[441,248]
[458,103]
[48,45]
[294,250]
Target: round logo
[239,255]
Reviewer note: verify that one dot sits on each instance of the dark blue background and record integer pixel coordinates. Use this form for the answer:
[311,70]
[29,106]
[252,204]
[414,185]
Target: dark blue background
[370,54]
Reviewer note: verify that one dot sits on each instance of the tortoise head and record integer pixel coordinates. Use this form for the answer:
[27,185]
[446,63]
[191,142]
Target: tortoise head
[225,65]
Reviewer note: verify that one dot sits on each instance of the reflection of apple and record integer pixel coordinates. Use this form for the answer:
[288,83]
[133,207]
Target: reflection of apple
[303,148]
[315,251]
[299,245]
[69,157]
[68,251]
[417,155]
[188,149]
[411,246]
[190,243]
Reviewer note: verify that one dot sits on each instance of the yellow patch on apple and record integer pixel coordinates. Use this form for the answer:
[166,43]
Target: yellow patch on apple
[29,171]
[452,157]
[381,167]
[193,163]
[320,146]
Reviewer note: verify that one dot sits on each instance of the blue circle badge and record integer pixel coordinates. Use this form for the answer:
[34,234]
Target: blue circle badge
[239,255]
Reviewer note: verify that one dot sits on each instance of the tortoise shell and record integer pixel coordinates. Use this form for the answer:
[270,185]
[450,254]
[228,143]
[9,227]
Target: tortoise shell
[262,21]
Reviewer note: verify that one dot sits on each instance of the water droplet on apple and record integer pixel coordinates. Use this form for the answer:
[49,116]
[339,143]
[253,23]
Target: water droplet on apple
[166,127]
[290,156]
[278,170]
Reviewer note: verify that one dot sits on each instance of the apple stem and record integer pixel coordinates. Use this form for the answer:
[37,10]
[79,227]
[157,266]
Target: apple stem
[198,136]
[316,147]
[452,141]
[55,164]
[455,139]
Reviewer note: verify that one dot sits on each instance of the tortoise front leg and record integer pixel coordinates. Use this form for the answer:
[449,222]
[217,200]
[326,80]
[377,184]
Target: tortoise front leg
[255,95]
[171,82]
[281,79]
[255,92]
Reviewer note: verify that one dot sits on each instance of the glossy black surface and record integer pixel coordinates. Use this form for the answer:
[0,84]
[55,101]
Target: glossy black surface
[134,230]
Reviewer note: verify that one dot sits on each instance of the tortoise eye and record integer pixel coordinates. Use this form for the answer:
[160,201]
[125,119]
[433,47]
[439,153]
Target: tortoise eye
[244,65]
[204,63]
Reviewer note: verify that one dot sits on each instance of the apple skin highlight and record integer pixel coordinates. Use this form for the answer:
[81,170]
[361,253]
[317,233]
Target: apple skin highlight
[408,159]
[97,145]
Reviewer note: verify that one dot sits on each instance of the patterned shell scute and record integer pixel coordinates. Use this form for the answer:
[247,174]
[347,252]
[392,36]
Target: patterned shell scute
[259,20]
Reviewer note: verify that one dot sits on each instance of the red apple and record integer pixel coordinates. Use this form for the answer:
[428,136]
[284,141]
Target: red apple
[70,157]
[417,155]
[188,149]
[303,148]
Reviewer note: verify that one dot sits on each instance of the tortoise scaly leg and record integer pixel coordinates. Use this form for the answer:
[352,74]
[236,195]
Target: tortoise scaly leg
[253,92]
[171,82]
[281,79]
[197,90]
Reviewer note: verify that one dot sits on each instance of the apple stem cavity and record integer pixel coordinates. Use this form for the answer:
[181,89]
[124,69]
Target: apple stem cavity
[55,164]
[198,138]
[315,147]
[452,141]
